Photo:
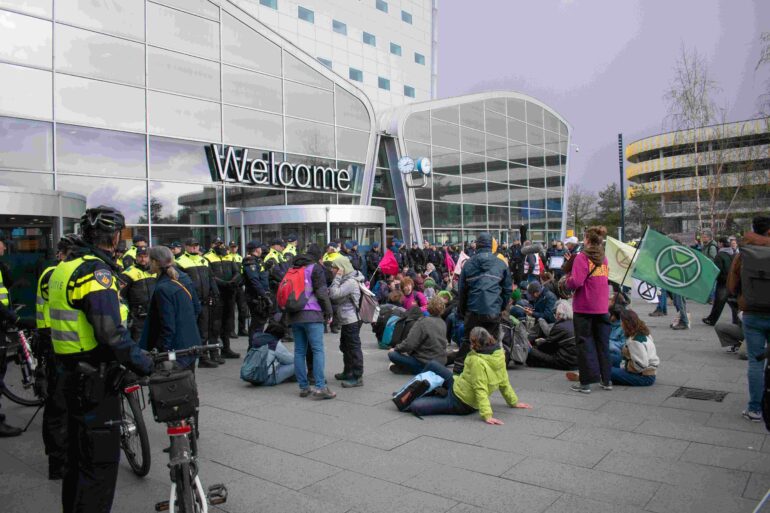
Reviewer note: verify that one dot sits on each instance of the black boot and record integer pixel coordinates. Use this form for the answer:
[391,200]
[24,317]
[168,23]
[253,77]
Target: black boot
[207,363]
[216,357]
[227,352]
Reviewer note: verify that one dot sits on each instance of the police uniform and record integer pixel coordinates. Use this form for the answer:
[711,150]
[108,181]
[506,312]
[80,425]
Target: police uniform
[256,288]
[290,251]
[227,276]
[240,294]
[129,258]
[197,268]
[55,409]
[7,318]
[84,312]
[137,292]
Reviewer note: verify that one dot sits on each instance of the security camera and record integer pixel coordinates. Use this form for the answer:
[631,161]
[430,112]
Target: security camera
[577,149]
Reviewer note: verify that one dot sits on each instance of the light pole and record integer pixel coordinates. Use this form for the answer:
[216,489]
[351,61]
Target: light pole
[622,190]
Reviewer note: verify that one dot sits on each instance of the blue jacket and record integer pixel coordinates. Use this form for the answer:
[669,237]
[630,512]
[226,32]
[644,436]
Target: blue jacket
[172,320]
[617,337]
[485,284]
[545,307]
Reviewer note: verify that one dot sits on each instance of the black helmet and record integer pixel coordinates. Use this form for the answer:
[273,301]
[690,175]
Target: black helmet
[102,219]
[68,241]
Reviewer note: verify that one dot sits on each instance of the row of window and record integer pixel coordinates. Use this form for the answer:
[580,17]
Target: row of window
[358,76]
[382,5]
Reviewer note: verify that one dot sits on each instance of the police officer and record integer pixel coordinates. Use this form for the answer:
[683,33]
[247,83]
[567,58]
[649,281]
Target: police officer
[227,275]
[332,252]
[86,330]
[47,377]
[140,241]
[256,284]
[373,257]
[197,268]
[176,249]
[351,251]
[138,286]
[8,319]
[119,252]
[240,294]
[290,251]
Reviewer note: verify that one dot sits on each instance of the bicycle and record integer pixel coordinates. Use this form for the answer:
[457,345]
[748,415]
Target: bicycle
[20,375]
[133,432]
[173,396]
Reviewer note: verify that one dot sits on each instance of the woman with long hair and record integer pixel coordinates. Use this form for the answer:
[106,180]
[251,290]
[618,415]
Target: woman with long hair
[588,277]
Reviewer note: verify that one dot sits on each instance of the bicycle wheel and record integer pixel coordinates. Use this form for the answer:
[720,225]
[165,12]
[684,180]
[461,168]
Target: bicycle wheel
[133,437]
[14,387]
[185,490]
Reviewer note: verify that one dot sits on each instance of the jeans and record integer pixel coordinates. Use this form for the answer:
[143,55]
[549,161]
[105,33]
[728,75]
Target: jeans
[662,302]
[592,334]
[623,377]
[435,405]
[350,345]
[406,362]
[681,306]
[309,334]
[756,329]
[720,299]
[282,373]
[491,323]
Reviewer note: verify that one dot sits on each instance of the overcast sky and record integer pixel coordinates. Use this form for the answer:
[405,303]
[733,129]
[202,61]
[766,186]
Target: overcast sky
[604,65]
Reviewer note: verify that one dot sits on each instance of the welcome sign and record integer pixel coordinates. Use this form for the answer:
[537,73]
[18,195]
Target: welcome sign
[232,164]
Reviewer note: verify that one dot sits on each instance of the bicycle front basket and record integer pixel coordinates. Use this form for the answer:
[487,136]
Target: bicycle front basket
[173,395]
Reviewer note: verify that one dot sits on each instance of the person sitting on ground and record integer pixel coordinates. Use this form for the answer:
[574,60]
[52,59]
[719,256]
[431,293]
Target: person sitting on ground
[558,350]
[426,342]
[432,273]
[429,290]
[640,360]
[543,304]
[546,279]
[412,297]
[396,298]
[617,335]
[280,361]
[483,372]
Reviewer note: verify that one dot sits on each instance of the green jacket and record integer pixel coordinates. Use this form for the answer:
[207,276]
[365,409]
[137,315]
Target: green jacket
[482,375]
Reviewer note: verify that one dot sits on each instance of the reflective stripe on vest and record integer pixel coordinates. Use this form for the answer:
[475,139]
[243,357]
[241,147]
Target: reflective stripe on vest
[70,330]
[4,299]
[42,316]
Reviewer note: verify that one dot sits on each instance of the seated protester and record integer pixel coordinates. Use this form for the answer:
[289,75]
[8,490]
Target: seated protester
[483,373]
[546,279]
[640,360]
[412,297]
[406,272]
[384,288]
[731,336]
[396,298]
[617,336]
[558,350]
[419,282]
[280,361]
[432,273]
[426,341]
[429,289]
[543,303]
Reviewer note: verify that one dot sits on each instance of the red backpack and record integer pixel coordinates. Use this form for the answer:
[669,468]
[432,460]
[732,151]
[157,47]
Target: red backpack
[296,290]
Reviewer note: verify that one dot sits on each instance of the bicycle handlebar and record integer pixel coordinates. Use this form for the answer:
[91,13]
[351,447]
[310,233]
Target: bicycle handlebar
[190,351]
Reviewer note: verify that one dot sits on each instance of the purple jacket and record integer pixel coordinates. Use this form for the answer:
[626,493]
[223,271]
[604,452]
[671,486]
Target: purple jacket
[591,292]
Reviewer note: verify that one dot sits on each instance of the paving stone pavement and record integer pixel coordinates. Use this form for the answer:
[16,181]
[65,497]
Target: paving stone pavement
[628,450]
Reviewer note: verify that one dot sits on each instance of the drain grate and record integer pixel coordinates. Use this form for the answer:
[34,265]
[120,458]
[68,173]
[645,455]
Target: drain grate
[700,394]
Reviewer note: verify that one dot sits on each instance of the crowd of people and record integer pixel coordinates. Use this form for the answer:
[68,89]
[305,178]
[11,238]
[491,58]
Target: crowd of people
[549,308]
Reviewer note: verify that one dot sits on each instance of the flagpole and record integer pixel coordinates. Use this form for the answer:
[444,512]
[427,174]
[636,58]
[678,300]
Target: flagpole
[633,259]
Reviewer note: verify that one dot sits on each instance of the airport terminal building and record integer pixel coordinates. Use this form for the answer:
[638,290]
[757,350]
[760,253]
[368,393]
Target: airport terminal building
[195,118]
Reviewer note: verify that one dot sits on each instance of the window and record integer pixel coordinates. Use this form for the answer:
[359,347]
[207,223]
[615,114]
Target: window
[409,91]
[356,74]
[325,62]
[305,14]
[419,58]
[406,17]
[382,5]
[383,83]
[339,27]
[395,49]
[273,4]
[370,39]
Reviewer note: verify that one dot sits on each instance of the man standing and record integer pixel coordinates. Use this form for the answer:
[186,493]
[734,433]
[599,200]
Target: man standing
[197,268]
[257,287]
[332,252]
[485,290]
[290,251]
[708,245]
[749,280]
[227,276]
[723,261]
[139,284]
[140,241]
[176,249]
[240,294]
[373,257]
[86,331]
[8,319]
[353,255]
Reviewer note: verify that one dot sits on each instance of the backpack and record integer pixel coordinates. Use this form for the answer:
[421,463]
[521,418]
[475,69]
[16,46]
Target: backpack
[254,368]
[755,277]
[295,289]
[515,342]
[404,325]
[418,386]
[387,333]
[386,312]
[368,308]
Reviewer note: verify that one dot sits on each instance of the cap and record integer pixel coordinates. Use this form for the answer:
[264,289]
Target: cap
[192,241]
[354,243]
[349,244]
[141,251]
[276,242]
[175,244]
[233,244]
[252,245]
[331,244]
[375,245]
[218,240]
[139,238]
[291,238]
[571,240]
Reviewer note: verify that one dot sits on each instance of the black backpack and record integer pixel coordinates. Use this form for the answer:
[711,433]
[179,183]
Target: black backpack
[404,325]
[755,277]
[386,312]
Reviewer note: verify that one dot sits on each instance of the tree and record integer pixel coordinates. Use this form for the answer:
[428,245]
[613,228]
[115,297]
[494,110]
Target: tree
[581,206]
[691,105]
[608,213]
[643,210]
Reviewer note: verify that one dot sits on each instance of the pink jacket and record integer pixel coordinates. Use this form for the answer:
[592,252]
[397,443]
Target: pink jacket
[415,298]
[591,292]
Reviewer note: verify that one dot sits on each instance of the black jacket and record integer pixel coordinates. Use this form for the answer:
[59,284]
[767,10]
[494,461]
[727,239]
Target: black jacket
[372,261]
[484,285]
[254,277]
[355,259]
[559,351]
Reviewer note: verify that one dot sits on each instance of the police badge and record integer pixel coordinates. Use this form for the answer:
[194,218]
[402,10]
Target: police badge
[103,278]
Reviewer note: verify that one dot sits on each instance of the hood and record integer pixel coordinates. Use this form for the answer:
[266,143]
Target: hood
[303,260]
[484,241]
[345,265]
[261,339]
[754,239]
[494,357]
[355,275]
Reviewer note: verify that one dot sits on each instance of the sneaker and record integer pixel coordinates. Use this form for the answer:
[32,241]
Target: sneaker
[395,369]
[229,353]
[341,376]
[708,321]
[675,322]
[352,383]
[583,389]
[573,376]
[753,416]
[324,393]
[679,326]
[608,386]
[732,349]
[304,392]
[656,313]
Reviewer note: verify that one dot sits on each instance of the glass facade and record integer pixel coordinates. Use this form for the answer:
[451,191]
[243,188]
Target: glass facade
[141,140]
[498,163]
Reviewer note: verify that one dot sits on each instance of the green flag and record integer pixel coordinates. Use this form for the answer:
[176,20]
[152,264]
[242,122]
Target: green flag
[676,268]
